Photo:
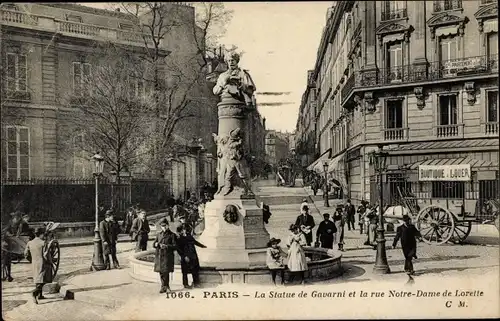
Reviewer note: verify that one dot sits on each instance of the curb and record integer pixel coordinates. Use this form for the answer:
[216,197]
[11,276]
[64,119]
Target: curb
[70,292]
[91,242]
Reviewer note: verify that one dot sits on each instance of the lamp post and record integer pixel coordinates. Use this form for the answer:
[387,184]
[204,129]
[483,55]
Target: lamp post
[325,188]
[98,259]
[379,160]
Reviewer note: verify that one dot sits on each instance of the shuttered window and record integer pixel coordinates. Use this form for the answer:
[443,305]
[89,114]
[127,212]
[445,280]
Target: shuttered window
[16,72]
[18,153]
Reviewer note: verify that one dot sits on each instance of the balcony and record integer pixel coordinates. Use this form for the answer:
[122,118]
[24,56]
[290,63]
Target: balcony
[395,134]
[491,128]
[394,14]
[445,131]
[411,74]
[70,28]
[488,1]
[446,5]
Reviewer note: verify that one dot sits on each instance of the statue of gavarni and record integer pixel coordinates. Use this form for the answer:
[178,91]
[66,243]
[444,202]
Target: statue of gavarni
[236,82]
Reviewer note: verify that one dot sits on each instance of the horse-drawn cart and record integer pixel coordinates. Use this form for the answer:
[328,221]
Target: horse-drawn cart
[16,245]
[446,201]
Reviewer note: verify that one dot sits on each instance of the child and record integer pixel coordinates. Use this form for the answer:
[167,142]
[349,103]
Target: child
[189,258]
[274,260]
[297,263]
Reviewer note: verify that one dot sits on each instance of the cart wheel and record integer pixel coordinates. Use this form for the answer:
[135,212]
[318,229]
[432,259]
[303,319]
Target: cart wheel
[55,254]
[461,231]
[436,224]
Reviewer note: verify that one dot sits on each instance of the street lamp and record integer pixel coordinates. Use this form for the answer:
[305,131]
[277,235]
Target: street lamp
[325,188]
[378,159]
[98,259]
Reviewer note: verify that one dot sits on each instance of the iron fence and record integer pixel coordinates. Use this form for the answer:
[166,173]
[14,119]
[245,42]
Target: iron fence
[73,200]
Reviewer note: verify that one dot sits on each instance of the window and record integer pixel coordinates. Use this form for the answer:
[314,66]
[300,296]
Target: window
[395,61]
[81,75]
[394,112]
[448,110]
[126,26]
[79,159]
[492,106]
[18,153]
[16,72]
[137,88]
[394,10]
[448,190]
[448,49]
[444,5]
[493,45]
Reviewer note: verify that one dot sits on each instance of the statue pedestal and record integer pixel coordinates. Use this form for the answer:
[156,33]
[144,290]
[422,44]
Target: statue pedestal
[233,244]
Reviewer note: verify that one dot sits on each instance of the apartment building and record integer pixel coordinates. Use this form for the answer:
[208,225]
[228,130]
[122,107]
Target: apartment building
[276,146]
[45,49]
[422,79]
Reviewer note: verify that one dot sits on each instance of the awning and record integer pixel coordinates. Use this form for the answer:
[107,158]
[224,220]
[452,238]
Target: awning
[336,171]
[474,163]
[317,165]
[451,144]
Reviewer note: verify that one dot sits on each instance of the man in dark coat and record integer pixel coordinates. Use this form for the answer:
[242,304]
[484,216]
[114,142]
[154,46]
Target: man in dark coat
[339,221]
[128,220]
[42,272]
[325,232]
[186,247]
[408,234]
[350,212]
[140,230]
[165,245]
[306,223]
[108,231]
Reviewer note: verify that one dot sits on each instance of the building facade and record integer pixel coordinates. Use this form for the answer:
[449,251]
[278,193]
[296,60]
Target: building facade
[45,49]
[421,79]
[277,146]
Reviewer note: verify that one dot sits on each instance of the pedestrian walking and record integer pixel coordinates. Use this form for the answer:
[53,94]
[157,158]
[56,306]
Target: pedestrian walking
[109,235]
[305,222]
[140,231]
[339,221]
[186,247]
[127,221]
[274,260]
[325,233]
[40,262]
[297,263]
[361,212]
[372,227]
[350,213]
[165,245]
[408,234]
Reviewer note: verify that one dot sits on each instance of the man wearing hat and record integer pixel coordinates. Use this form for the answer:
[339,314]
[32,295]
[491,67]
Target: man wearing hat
[38,251]
[408,234]
[306,223]
[109,236]
[339,221]
[140,230]
[325,232]
[165,245]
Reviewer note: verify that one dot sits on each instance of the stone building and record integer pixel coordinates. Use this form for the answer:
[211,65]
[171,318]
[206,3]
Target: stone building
[277,148]
[44,59]
[419,77]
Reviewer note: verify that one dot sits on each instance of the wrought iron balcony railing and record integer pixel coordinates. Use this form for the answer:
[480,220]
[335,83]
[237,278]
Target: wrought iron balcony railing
[394,14]
[445,5]
[440,70]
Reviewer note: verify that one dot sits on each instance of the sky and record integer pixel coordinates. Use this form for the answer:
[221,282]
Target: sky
[279,41]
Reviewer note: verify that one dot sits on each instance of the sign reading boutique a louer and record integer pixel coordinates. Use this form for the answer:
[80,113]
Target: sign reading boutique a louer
[444,172]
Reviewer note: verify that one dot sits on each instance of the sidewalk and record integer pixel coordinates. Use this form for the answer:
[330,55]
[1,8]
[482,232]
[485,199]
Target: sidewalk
[89,240]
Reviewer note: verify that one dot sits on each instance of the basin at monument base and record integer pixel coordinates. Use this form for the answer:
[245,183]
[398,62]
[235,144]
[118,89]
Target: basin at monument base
[324,264]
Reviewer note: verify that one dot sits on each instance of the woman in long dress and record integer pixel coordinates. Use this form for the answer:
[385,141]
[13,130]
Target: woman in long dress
[297,263]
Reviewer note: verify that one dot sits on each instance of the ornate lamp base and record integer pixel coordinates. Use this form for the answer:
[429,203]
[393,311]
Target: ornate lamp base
[381,265]
[97,259]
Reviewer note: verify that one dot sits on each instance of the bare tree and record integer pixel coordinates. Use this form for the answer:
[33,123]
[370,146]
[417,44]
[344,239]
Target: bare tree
[175,38]
[114,108]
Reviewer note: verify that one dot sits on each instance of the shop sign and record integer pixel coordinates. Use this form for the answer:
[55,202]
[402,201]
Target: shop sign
[444,172]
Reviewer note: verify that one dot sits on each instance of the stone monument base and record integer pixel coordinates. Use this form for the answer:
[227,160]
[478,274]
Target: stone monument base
[233,244]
